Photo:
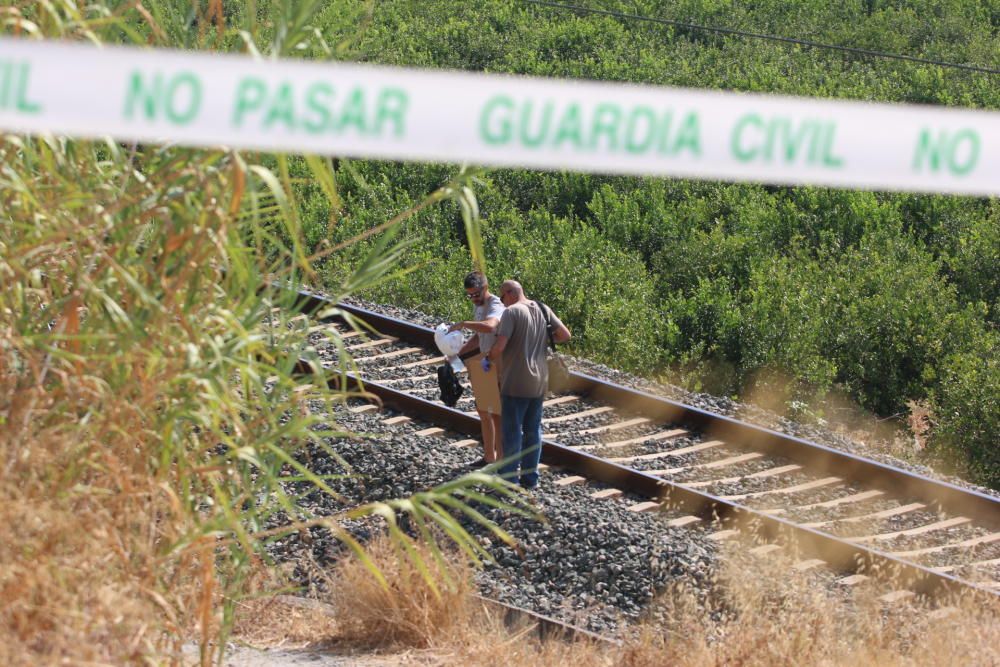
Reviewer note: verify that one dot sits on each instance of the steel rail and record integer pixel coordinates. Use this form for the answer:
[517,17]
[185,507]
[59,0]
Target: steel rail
[546,627]
[839,553]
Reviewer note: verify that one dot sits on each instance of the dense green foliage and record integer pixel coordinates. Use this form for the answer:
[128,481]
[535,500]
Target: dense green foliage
[886,297]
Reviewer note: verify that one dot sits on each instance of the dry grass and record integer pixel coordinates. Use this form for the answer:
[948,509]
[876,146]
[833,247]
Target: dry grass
[83,578]
[275,621]
[439,624]
[114,400]
[408,609]
[64,595]
[764,613]
[758,615]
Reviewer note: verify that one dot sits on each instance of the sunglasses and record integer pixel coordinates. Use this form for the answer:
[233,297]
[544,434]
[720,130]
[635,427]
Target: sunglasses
[474,295]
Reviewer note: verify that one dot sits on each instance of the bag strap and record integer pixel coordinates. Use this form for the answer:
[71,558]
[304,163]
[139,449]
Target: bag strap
[548,323]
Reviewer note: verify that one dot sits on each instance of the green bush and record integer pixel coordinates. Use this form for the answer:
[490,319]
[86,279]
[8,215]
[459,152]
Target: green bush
[601,292]
[967,407]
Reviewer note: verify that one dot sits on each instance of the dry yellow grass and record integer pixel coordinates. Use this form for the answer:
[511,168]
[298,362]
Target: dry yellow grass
[410,609]
[762,613]
[419,622]
[758,615]
[80,523]
[110,493]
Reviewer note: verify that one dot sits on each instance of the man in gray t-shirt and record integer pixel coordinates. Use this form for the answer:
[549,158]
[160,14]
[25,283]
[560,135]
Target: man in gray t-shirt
[524,375]
[484,378]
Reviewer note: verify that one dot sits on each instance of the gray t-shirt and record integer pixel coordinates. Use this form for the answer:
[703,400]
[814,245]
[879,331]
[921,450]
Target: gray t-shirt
[492,307]
[524,372]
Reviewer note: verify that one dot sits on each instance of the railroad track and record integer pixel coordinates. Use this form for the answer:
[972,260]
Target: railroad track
[853,514]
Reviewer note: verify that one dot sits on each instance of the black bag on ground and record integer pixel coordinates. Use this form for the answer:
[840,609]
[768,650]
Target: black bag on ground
[451,388]
[558,370]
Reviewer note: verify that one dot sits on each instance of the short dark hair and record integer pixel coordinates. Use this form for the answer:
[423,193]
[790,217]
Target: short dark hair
[475,280]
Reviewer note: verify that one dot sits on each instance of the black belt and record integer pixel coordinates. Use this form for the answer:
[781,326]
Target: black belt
[469,354]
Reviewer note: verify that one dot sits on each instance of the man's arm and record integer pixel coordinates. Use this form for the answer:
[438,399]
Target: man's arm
[489,325]
[560,333]
[498,347]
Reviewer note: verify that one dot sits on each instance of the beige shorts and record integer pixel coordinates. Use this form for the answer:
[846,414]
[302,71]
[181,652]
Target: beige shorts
[485,385]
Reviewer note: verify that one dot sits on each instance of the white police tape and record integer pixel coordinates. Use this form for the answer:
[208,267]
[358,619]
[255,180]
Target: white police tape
[212,100]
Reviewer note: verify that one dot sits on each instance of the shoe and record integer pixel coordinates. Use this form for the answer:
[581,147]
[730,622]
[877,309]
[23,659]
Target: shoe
[529,487]
[479,463]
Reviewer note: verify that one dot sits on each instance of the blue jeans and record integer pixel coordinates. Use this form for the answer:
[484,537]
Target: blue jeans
[522,438]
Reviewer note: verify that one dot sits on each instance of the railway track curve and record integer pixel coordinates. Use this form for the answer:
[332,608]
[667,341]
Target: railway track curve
[853,514]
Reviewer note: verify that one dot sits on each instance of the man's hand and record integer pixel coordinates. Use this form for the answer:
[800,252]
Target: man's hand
[457,326]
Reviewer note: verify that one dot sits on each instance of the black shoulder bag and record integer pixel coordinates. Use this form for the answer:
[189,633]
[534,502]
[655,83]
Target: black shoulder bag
[451,388]
[558,371]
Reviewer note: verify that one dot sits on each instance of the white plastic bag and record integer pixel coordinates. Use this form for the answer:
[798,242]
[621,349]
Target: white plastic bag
[450,344]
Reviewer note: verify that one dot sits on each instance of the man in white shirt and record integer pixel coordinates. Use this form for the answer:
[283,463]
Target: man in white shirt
[484,375]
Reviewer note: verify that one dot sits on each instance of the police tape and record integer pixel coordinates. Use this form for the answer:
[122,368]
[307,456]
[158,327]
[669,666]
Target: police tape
[350,110]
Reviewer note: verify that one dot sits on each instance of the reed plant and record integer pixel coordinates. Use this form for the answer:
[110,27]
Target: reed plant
[150,412]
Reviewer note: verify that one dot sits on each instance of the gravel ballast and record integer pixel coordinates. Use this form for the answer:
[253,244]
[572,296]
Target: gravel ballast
[589,562]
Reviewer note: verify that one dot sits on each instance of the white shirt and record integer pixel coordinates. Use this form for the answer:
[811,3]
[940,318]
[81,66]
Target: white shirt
[492,307]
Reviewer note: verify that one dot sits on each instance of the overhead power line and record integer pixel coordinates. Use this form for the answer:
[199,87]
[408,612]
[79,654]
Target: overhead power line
[755,35]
